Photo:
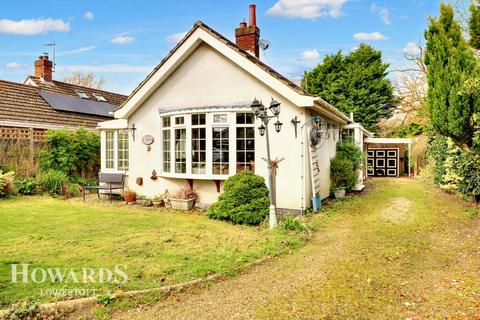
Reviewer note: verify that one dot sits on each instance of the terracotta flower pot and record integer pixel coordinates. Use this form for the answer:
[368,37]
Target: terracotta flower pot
[130,197]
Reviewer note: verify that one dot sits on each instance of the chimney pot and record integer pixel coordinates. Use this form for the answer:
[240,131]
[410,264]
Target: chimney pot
[253,16]
[248,37]
[43,68]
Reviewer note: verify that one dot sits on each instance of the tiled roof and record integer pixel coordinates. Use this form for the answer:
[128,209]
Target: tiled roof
[69,90]
[22,103]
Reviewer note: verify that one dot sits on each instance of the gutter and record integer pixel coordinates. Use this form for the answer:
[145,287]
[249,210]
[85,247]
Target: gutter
[340,116]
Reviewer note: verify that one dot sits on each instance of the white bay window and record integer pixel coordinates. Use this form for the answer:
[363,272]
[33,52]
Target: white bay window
[208,144]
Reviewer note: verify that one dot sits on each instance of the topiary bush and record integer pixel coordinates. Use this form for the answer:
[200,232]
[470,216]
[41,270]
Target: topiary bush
[244,200]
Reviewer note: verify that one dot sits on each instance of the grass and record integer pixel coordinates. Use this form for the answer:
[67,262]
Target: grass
[158,247]
[410,252]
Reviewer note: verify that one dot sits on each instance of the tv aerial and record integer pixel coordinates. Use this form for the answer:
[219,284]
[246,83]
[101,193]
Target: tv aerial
[52,44]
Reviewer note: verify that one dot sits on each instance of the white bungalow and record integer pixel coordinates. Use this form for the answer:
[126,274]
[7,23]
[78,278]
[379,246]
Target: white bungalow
[190,121]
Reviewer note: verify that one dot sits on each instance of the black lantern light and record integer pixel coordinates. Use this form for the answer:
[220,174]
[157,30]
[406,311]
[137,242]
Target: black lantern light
[278,125]
[261,129]
[275,107]
[257,107]
[132,130]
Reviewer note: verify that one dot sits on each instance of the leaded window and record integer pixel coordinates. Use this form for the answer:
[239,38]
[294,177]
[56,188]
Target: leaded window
[122,145]
[220,150]
[180,150]
[109,150]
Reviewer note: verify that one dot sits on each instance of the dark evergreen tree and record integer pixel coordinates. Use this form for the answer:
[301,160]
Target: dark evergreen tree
[356,83]
[452,68]
[474,26]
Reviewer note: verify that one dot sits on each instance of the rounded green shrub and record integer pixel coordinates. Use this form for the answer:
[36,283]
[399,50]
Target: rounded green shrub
[343,175]
[244,200]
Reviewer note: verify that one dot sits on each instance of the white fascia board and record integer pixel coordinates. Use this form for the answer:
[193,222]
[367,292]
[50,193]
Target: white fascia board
[158,77]
[40,126]
[256,71]
[190,44]
[354,125]
[389,140]
[113,124]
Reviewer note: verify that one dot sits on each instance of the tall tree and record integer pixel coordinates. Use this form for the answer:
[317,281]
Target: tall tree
[356,83]
[474,26]
[452,68]
[85,79]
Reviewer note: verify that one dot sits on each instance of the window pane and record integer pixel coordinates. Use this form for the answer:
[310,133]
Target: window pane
[179,120]
[180,151]
[166,150]
[245,148]
[199,162]
[198,119]
[109,150]
[122,147]
[166,122]
[220,151]
[245,118]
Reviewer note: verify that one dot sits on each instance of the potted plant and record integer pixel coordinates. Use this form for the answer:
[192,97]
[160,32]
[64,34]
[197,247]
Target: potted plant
[343,176]
[129,196]
[183,199]
[157,201]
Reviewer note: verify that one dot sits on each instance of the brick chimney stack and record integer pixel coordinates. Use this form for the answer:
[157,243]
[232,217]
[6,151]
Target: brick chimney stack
[248,37]
[43,68]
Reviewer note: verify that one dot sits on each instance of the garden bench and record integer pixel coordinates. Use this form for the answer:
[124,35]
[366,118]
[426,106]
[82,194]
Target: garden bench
[111,181]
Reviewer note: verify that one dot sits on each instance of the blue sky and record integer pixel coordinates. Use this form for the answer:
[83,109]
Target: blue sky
[123,40]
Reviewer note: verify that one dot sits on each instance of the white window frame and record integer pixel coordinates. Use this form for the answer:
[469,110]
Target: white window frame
[209,125]
[115,168]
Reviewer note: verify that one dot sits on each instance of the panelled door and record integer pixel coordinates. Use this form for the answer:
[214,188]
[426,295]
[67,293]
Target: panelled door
[382,162]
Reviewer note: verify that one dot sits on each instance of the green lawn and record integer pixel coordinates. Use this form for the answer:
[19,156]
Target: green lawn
[158,247]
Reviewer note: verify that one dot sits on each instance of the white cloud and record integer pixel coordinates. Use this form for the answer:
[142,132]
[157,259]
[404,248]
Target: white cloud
[33,26]
[108,68]
[88,15]
[176,37]
[122,40]
[374,36]
[411,49]
[382,12]
[310,55]
[307,9]
[15,66]
[75,51]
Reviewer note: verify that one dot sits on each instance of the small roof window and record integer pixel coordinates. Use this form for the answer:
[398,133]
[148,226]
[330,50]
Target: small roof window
[82,94]
[99,97]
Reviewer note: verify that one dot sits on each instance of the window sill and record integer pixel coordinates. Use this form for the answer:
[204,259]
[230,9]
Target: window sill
[194,176]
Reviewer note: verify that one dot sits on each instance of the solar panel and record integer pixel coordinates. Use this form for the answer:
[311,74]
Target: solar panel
[71,104]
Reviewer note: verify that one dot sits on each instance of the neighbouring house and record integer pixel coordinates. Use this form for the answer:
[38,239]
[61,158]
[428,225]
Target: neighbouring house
[28,109]
[190,121]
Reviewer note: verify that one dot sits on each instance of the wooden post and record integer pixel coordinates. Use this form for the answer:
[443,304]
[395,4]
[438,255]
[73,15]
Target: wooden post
[32,147]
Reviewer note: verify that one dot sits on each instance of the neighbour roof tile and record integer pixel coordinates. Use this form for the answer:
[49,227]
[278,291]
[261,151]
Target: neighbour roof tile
[22,103]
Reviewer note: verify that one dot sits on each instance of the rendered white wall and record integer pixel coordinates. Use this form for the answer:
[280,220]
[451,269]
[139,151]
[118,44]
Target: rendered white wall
[207,78]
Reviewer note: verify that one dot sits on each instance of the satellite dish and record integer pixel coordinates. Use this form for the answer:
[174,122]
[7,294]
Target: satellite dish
[264,44]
